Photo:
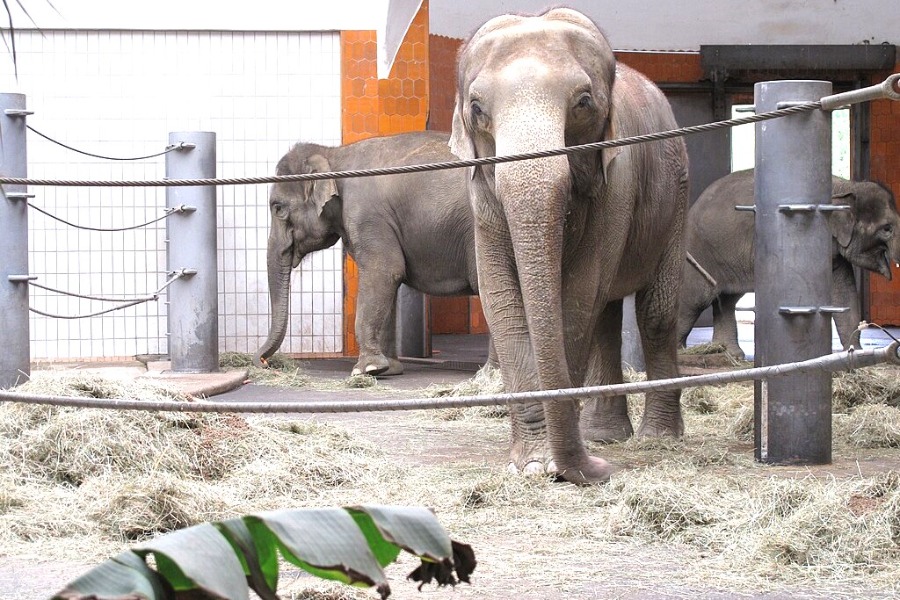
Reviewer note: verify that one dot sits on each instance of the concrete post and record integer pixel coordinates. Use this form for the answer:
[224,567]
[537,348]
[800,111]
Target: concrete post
[193,315]
[15,359]
[413,334]
[793,274]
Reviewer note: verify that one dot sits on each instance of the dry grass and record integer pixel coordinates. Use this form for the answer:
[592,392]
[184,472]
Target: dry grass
[705,348]
[285,372]
[122,476]
[485,382]
[84,483]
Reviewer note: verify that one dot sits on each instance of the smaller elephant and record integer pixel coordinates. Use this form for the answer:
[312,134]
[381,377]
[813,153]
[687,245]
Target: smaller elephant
[721,241]
[411,228]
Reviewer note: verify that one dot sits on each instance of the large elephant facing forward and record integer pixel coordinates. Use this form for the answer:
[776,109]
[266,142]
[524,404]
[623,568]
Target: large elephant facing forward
[561,241]
[720,239]
[411,228]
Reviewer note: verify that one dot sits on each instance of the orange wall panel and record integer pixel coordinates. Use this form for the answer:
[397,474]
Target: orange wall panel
[371,107]
[884,295]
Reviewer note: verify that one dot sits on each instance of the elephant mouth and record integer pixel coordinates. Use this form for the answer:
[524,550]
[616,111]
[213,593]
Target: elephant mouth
[884,264]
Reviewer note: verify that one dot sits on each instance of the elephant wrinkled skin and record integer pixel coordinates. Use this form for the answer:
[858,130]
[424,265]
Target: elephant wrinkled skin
[561,241]
[411,228]
[721,240]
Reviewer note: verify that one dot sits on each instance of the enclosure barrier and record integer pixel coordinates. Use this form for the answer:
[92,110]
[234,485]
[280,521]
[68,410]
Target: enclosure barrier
[15,359]
[839,361]
[792,415]
[193,302]
[193,313]
[777,438]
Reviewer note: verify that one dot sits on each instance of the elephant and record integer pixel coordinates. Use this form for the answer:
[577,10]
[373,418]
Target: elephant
[561,241]
[410,228]
[721,241]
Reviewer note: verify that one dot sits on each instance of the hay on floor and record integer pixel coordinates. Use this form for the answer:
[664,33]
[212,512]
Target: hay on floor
[77,481]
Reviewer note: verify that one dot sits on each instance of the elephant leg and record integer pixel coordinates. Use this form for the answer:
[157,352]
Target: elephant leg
[843,293]
[725,330]
[388,345]
[376,314]
[656,312]
[606,419]
[492,360]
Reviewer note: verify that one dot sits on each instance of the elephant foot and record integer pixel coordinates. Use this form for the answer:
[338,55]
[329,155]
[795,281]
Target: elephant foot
[371,365]
[606,421]
[649,429]
[732,349]
[534,468]
[736,353]
[589,469]
[396,367]
[607,434]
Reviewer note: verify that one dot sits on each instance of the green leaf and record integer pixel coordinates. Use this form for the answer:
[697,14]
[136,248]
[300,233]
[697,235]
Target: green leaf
[199,558]
[323,541]
[385,552]
[262,576]
[125,575]
[413,528]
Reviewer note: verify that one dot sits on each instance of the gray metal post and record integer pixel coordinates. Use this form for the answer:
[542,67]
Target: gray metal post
[413,335]
[15,359]
[191,238]
[793,274]
[632,348]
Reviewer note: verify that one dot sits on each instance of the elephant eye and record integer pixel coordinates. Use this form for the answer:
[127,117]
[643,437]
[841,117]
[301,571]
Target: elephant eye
[279,209]
[888,229]
[584,101]
[476,109]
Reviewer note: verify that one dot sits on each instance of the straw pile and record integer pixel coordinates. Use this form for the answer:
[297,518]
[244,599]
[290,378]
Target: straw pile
[73,482]
[125,475]
[485,382]
[285,372]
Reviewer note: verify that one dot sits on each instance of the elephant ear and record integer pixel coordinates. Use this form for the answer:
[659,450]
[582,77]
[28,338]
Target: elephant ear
[460,143]
[615,125]
[611,133]
[321,191]
[841,222]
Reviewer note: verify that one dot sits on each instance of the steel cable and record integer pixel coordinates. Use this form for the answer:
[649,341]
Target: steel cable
[839,361]
[456,164]
[168,213]
[168,149]
[126,302]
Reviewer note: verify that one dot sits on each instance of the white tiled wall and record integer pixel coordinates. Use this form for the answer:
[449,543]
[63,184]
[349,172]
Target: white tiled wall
[119,93]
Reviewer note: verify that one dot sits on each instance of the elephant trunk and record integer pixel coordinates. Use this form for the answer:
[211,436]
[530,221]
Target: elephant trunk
[535,196]
[894,250]
[279,259]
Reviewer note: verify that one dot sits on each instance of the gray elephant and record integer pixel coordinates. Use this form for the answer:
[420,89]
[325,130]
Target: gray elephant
[720,240]
[562,240]
[410,228]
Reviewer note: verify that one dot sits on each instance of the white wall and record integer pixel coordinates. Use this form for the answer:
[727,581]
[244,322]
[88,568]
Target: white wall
[202,15]
[686,24]
[120,93]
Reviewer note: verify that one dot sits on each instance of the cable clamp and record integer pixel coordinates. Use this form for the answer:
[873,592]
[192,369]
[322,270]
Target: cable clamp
[19,195]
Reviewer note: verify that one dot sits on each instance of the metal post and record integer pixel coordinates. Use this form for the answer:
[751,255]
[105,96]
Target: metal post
[413,334]
[793,274]
[632,348]
[15,359]
[191,246]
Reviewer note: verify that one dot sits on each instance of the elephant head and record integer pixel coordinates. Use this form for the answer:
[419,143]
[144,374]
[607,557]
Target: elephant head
[304,219]
[868,234]
[528,84]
